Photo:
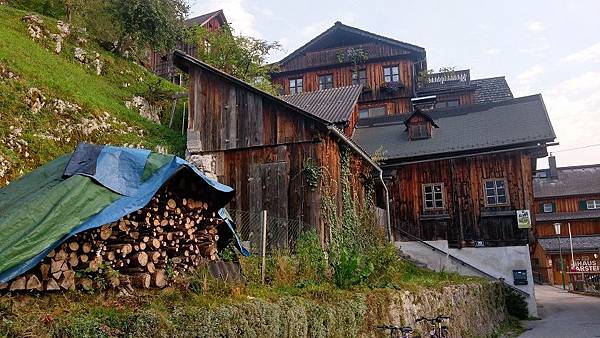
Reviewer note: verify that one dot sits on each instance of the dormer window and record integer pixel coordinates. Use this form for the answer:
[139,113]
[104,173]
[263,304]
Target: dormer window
[419,126]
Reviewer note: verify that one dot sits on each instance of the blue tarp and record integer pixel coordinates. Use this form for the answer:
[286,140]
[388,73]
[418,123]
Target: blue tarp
[121,170]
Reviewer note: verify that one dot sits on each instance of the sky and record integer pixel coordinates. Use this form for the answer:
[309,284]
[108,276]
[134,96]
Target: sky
[548,47]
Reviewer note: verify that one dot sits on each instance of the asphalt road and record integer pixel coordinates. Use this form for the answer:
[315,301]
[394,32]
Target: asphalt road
[564,315]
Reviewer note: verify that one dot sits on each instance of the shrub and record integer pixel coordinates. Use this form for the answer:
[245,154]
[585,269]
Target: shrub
[350,269]
[516,305]
[312,263]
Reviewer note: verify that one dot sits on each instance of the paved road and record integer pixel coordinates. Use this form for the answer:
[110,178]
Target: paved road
[564,315]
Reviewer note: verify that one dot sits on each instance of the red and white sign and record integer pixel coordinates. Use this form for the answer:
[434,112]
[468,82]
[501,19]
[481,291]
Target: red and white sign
[585,266]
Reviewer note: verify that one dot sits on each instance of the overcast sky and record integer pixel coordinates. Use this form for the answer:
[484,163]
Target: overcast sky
[547,47]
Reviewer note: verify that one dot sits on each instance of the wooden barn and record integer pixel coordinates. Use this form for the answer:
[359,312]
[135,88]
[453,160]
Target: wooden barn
[264,146]
[569,196]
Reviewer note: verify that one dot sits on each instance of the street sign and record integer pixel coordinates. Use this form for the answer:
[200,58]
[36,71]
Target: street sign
[524,219]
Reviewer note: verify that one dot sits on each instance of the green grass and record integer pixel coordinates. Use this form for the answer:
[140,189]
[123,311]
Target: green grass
[62,77]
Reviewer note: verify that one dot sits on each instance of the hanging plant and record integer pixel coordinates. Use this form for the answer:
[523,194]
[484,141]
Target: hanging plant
[312,173]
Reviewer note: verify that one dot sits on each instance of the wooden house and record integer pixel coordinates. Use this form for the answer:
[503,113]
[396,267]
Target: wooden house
[162,63]
[569,196]
[261,145]
[388,69]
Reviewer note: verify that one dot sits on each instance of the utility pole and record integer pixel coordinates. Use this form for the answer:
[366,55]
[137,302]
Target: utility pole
[562,265]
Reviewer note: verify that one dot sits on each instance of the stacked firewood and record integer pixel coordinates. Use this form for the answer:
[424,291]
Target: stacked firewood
[170,234]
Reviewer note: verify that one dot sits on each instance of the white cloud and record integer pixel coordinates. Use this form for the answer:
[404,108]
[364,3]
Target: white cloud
[314,29]
[591,53]
[574,107]
[236,12]
[535,26]
[492,51]
[527,78]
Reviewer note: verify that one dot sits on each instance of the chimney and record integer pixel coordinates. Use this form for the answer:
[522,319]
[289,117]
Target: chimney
[552,171]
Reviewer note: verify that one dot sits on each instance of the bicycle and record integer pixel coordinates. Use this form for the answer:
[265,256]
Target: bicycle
[439,330]
[396,330]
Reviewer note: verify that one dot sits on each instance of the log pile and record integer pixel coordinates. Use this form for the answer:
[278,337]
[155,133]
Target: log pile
[171,233]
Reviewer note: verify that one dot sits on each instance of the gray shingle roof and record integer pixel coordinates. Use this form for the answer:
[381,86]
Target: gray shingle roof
[580,243]
[490,90]
[579,180]
[462,130]
[334,105]
[566,216]
[201,19]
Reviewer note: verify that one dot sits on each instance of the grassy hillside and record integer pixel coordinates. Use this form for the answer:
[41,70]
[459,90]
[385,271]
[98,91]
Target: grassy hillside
[91,107]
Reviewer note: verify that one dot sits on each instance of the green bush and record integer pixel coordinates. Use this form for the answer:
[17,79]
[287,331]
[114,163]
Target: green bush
[350,269]
[312,263]
[516,305]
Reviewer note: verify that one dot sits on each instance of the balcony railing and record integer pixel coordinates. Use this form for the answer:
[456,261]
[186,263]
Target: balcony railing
[463,76]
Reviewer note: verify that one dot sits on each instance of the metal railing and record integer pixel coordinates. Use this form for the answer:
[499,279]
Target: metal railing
[585,282]
[452,76]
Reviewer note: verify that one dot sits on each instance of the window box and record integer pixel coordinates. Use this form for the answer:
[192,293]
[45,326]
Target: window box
[391,87]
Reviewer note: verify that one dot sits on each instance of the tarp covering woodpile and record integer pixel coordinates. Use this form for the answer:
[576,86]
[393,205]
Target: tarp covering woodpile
[95,185]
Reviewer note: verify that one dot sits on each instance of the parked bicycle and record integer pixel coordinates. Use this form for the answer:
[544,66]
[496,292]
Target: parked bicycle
[439,329]
[397,331]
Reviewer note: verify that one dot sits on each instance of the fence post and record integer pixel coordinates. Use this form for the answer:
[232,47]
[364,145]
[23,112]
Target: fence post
[263,251]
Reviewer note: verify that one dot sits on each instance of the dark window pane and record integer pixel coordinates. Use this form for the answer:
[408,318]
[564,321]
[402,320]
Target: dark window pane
[489,184]
[438,195]
[439,204]
[429,204]
[500,184]
[428,188]
[491,200]
[438,188]
[501,199]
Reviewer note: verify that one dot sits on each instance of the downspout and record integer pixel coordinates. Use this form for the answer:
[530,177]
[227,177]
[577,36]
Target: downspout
[364,155]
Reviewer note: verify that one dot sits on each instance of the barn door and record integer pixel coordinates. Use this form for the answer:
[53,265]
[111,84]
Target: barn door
[274,179]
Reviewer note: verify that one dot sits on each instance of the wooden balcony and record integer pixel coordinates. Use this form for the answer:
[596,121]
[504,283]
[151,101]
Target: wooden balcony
[462,76]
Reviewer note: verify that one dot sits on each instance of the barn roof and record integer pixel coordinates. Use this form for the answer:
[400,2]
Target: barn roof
[325,39]
[578,180]
[200,20]
[464,130]
[334,105]
[580,243]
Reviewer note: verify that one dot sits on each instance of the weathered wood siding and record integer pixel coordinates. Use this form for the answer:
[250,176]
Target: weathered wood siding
[260,147]
[465,217]
[396,103]
[566,204]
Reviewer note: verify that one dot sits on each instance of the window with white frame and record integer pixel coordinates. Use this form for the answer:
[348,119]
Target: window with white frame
[359,77]
[296,86]
[391,74]
[496,192]
[548,207]
[593,204]
[433,196]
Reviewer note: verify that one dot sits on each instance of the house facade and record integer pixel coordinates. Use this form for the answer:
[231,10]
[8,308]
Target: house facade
[459,152]
[569,196]
[264,147]
[162,63]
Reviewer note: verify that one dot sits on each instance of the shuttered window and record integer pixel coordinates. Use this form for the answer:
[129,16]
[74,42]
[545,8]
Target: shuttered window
[496,192]
[433,196]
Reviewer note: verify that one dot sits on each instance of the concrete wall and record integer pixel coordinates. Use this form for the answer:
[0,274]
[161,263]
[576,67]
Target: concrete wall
[495,261]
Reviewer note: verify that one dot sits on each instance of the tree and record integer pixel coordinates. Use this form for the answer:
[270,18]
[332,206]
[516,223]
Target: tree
[241,56]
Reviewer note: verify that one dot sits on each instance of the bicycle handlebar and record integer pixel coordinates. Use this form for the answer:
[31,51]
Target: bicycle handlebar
[437,319]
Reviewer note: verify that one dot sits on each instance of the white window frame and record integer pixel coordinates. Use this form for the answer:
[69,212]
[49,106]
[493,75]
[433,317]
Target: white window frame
[546,205]
[592,204]
[495,189]
[433,199]
[356,78]
[391,76]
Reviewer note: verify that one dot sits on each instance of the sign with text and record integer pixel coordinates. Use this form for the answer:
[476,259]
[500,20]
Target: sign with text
[585,266]
[524,219]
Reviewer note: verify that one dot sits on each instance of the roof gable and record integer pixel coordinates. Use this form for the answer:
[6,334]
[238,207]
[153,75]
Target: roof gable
[343,35]
[201,20]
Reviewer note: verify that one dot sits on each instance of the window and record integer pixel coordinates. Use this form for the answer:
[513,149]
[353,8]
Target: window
[372,112]
[495,192]
[359,77]
[325,81]
[296,86]
[391,74]
[433,196]
[447,104]
[419,131]
[593,204]
[548,207]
